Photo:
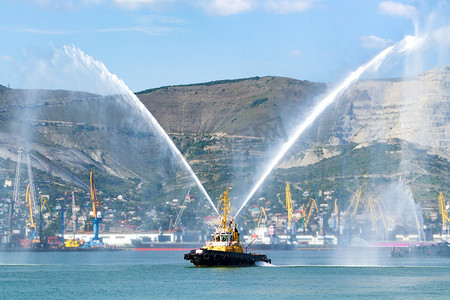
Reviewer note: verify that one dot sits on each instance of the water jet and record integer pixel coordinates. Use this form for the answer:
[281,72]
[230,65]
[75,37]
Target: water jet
[406,44]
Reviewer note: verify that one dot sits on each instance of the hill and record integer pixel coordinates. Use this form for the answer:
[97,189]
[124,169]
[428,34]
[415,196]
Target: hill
[377,132]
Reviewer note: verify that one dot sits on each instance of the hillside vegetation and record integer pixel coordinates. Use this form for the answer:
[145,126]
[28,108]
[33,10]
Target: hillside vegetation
[376,133]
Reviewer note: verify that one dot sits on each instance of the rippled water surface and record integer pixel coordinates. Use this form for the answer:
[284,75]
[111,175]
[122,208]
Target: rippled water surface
[331,274]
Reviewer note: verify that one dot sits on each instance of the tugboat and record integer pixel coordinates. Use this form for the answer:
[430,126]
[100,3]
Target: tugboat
[224,248]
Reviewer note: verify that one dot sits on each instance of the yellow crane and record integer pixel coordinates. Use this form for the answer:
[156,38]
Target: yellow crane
[96,204]
[443,211]
[378,212]
[96,214]
[372,205]
[262,212]
[45,205]
[30,205]
[311,205]
[355,202]
[289,208]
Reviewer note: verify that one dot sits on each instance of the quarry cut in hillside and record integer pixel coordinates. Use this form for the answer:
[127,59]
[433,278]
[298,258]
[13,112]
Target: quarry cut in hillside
[229,129]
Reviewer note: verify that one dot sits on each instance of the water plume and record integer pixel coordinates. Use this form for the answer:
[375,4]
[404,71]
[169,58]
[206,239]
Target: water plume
[82,60]
[400,204]
[407,44]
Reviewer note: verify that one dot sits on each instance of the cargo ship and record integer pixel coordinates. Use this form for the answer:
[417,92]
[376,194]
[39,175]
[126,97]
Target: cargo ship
[441,249]
[224,248]
[146,243]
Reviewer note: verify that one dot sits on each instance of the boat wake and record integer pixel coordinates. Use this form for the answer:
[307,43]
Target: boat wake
[264,264]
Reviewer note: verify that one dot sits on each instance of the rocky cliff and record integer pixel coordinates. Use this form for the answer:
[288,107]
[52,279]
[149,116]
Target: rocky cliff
[228,130]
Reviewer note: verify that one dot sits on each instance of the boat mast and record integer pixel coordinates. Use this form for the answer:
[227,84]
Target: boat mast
[224,203]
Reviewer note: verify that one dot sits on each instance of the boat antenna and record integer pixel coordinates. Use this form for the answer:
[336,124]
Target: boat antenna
[254,239]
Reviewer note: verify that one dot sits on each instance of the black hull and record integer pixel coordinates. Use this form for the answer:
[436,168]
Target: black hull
[211,258]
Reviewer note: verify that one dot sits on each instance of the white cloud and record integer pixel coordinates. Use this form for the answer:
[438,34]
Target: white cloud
[441,36]
[66,4]
[214,7]
[40,31]
[397,9]
[6,58]
[144,28]
[231,7]
[294,53]
[227,7]
[136,4]
[374,42]
[288,6]
[150,30]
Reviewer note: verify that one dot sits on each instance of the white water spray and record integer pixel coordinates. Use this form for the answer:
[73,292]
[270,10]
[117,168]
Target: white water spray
[79,57]
[407,43]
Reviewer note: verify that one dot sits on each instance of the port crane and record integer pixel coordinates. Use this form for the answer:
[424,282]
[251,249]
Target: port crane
[262,212]
[443,211]
[336,214]
[96,215]
[32,216]
[39,241]
[354,203]
[290,210]
[73,242]
[182,208]
[311,205]
[45,205]
[379,212]
[155,219]
[32,193]
[15,197]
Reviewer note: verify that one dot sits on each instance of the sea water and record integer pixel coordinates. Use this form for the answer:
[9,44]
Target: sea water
[326,274]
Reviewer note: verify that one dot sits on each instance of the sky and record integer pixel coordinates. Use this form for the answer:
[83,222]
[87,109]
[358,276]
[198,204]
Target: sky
[154,43]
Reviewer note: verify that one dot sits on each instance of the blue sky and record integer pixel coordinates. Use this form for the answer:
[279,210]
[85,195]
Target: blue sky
[152,43]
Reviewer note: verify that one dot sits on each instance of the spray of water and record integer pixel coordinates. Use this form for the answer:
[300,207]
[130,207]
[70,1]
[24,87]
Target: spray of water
[82,59]
[399,201]
[407,43]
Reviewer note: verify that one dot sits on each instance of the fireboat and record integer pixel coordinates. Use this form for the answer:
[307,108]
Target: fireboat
[224,248]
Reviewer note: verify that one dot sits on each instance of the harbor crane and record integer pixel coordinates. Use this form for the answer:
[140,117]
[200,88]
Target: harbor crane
[443,211]
[96,214]
[15,197]
[45,204]
[74,215]
[290,210]
[290,230]
[155,219]
[39,241]
[187,198]
[379,212]
[32,194]
[336,214]
[32,215]
[354,203]
[311,205]
[262,212]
